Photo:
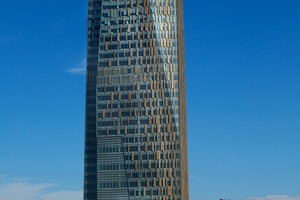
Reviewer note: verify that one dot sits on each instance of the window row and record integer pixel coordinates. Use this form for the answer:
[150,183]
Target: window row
[169,82]
[112,185]
[133,52]
[159,26]
[154,68]
[138,103]
[137,95]
[146,35]
[138,121]
[131,116]
[134,10]
[153,183]
[134,130]
[140,89]
[121,45]
[149,147]
[109,4]
[152,173]
[159,191]
[157,170]
[110,150]
[138,19]
[110,167]
[141,60]
[165,137]
[138,78]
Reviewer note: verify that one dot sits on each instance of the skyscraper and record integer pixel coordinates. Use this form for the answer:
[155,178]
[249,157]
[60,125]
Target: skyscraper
[135,131]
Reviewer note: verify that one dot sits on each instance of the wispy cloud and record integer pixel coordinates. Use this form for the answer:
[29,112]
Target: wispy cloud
[276,197]
[7,38]
[23,190]
[80,69]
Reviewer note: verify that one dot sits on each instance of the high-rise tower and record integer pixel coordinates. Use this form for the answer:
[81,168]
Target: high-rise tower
[135,131]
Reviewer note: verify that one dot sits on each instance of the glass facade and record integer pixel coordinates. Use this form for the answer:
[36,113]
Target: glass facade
[135,135]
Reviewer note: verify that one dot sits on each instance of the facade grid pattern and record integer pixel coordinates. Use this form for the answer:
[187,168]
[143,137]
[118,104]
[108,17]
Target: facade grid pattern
[135,141]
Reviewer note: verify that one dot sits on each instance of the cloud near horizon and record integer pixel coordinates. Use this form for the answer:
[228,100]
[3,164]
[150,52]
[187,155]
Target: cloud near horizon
[23,190]
[276,197]
[20,189]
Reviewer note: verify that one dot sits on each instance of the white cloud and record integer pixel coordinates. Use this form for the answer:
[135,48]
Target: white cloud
[276,197]
[23,190]
[63,195]
[80,69]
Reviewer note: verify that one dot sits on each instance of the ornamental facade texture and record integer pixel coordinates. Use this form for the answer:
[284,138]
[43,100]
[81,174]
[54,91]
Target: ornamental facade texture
[135,125]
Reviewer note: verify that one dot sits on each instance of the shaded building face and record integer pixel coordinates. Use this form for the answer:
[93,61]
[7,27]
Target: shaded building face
[135,137]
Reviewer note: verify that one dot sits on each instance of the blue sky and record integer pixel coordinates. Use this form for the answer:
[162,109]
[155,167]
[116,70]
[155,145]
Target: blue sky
[243,99]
